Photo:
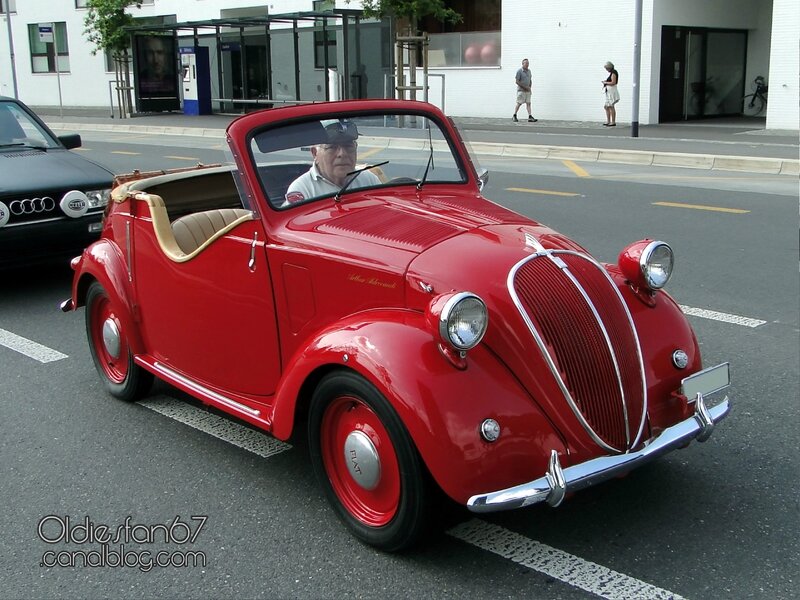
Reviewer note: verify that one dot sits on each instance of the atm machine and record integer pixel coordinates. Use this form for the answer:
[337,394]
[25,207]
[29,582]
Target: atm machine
[196,80]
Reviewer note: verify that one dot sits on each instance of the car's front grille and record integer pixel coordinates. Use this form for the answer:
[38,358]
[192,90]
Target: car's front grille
[33,208]
[585,332]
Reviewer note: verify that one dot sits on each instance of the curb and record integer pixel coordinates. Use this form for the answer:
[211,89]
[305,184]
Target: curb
[773,166]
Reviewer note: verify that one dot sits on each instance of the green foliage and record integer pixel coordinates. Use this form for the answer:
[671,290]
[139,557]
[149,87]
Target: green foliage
[105,21]
[412,10]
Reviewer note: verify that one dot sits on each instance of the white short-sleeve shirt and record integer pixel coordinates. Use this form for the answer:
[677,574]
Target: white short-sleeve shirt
[312,184]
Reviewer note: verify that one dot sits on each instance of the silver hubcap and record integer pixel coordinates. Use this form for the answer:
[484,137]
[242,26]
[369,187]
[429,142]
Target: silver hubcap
[111,338]
[362,459]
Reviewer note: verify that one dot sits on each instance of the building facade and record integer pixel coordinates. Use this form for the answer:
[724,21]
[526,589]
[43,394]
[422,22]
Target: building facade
[698,59]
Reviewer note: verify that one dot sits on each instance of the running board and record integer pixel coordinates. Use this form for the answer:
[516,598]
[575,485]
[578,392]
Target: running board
[205,394]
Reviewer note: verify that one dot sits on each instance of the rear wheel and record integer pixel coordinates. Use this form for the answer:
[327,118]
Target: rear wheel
[108,343]
[367,464]
[753,105]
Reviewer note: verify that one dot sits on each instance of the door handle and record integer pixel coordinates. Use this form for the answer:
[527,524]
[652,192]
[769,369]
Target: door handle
[251,264]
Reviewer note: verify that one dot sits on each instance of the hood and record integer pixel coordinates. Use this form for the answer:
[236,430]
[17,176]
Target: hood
[23,170]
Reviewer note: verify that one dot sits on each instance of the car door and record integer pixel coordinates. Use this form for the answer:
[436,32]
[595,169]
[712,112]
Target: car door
[212,317]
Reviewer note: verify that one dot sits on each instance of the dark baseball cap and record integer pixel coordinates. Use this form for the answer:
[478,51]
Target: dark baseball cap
[339,130]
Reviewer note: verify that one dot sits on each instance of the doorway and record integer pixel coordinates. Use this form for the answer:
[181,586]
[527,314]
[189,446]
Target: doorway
[702,73]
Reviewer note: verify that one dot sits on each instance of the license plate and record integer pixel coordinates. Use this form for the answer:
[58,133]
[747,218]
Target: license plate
[706,382]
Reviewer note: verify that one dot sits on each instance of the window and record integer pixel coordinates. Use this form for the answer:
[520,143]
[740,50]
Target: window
[43,39]
[80,3]
[475,41]
[324,42]
[12,6]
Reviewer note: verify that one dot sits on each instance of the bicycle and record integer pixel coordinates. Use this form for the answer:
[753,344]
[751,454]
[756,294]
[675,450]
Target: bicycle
[755,103]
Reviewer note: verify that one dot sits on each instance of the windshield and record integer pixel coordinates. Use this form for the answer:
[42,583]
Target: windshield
[18,129]
[334,157]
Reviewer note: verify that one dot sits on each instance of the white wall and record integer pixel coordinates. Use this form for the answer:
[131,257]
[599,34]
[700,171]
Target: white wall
[567,44]
[782,108]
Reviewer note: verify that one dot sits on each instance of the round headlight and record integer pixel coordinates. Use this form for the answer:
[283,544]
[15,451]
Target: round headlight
[656,264]
[463,321]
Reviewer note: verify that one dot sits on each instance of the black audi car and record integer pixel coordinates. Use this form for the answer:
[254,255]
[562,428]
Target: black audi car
[51,200]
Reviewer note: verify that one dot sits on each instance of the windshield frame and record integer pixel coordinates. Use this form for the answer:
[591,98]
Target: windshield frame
[454,145]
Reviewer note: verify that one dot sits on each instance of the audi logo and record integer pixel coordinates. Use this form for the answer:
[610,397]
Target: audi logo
[31,206]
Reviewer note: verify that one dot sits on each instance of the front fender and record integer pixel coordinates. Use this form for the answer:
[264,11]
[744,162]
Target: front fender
[103,262]
[441,406]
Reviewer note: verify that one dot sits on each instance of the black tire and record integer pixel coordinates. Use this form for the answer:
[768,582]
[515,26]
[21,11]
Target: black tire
[122,377]
[394,512]
[753,105]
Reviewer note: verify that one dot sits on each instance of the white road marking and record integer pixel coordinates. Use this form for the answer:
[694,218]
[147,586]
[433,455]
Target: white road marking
[558,564]
[243,437]
[29,348]
[719,316]
[565,567]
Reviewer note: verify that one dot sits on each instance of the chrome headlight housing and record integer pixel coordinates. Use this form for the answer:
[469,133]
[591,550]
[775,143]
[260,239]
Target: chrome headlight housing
[647,264]
[656,263]
[463,321]
[98,198]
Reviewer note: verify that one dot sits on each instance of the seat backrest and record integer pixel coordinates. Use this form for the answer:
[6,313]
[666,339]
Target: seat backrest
[194,229]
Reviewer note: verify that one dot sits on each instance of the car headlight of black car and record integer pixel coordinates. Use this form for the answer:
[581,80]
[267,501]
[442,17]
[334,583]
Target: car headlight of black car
[98,198]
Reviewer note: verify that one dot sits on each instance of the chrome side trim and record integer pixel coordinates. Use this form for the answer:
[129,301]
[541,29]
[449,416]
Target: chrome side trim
[204,391]
[128,258]
[551,488]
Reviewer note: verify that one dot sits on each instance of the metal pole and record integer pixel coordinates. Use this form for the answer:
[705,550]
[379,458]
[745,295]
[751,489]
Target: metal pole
[637,59]
[11,49]
[58,73]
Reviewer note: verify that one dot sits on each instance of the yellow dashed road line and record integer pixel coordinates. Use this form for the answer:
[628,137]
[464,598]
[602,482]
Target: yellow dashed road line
[737,211]
[579,171]
[368,153]
[124,152]
[545,192]
[183,157]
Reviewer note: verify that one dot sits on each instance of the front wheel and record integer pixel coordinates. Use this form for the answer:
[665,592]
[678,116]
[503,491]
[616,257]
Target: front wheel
[753,105]
[367,464]
[108,344]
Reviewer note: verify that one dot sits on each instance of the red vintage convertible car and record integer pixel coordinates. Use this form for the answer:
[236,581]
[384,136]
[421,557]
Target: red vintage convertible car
[345,272]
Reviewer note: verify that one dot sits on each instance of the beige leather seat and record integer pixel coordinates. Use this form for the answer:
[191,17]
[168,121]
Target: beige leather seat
[192,230]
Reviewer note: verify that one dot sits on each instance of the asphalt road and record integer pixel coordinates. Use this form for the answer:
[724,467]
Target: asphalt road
[714,520]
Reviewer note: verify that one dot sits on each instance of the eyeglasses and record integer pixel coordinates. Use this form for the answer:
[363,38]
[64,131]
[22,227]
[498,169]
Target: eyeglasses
[346,146]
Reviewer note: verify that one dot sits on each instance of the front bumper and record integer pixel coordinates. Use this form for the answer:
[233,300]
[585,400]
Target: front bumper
[557,482]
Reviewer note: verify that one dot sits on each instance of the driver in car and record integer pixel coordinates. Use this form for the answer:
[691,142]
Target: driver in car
[333,161]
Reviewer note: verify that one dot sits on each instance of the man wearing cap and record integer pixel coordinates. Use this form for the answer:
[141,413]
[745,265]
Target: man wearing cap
[333,160]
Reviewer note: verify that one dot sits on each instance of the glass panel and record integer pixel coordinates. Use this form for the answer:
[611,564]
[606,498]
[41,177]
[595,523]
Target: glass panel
[313,159]
[725,72]
[694,95]
[40,64]
[37,47]
[61,38]
[16,127]
[63,64]
[464,49]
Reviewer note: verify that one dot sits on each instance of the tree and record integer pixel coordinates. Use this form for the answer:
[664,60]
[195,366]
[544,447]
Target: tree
[105,24]
[408,13]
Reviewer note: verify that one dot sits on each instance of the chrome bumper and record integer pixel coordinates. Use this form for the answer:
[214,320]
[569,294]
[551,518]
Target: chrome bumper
[557,482]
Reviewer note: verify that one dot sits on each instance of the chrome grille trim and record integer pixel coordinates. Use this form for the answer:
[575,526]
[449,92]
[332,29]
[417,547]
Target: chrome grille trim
[541,252]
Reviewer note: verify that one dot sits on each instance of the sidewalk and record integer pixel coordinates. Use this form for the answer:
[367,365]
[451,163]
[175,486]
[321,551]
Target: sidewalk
[734,144]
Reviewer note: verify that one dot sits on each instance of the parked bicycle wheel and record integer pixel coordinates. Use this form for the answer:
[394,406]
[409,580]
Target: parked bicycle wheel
[753,105]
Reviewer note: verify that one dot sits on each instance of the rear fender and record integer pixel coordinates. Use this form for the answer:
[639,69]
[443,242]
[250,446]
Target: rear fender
[103,262]
[441,406]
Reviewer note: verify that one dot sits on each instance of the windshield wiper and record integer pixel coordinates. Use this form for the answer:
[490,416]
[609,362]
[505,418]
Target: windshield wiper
[356,173]
[430,161]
